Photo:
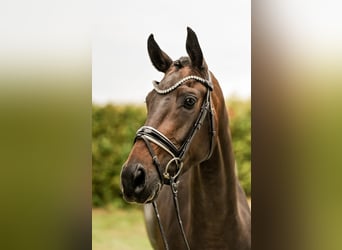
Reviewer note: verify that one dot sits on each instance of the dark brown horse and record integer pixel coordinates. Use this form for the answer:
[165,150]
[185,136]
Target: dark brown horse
[186,136]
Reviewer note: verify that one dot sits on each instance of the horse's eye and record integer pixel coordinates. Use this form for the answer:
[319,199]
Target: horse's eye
[189,102]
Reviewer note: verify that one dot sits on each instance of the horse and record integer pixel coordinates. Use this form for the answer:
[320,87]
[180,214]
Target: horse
[186,143]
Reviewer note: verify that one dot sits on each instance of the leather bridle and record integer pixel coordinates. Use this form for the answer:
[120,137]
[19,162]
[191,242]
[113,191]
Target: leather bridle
[149,134]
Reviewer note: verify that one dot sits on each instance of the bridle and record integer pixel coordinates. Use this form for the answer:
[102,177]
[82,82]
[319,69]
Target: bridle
[149,134]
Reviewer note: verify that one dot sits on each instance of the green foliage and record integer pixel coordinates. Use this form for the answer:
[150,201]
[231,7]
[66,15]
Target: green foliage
[115,228]
[113,131]
[113,128]
[240,127]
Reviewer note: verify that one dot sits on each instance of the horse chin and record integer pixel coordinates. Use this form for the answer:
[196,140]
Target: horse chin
[154,193]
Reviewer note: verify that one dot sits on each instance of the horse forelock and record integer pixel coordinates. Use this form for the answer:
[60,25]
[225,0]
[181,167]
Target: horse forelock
[179,70]
[182,62]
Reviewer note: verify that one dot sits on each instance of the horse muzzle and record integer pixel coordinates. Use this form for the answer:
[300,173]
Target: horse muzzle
[137,185]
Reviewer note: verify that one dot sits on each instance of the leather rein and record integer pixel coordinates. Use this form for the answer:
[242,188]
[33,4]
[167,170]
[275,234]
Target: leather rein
[149,134]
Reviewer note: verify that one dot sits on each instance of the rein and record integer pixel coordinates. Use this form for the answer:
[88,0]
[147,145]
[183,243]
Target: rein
[149,134]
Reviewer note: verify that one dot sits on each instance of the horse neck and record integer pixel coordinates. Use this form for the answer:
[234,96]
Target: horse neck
[214,182]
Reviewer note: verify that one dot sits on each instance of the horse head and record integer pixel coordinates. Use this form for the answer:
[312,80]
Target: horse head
[179,129]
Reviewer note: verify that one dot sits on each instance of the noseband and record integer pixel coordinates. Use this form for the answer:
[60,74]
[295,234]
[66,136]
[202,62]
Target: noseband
[149,134]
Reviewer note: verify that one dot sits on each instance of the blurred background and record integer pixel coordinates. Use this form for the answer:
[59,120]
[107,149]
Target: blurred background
[45,124]
[47,102]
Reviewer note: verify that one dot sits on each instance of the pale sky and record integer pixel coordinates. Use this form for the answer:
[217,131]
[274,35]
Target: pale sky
[121,69]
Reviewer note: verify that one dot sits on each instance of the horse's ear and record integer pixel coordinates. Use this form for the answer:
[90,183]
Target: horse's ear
[160,60]
[194,50]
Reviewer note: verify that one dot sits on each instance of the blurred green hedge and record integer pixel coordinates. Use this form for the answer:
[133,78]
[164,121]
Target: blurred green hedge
[240,127]
[113,130]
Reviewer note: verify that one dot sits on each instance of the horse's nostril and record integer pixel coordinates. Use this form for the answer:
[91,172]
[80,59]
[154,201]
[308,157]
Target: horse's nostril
[139,179]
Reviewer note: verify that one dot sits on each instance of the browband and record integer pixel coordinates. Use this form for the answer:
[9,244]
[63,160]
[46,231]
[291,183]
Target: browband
[205,82]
